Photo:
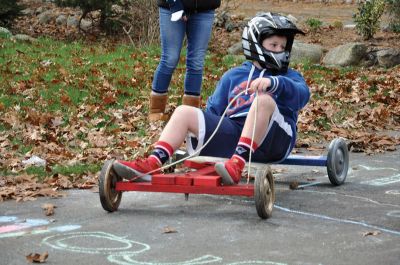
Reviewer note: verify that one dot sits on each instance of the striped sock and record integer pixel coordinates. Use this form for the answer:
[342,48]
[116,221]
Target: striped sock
[162,152]
[243,149]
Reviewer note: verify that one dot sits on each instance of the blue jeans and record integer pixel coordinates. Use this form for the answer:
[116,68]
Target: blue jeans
[198,31]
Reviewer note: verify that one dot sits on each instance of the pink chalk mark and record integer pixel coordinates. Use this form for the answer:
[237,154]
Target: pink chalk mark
[11,228]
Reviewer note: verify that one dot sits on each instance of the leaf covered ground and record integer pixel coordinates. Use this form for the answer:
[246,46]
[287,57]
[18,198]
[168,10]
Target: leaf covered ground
[67,107]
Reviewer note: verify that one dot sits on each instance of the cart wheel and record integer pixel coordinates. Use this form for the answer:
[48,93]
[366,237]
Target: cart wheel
[337,161]
[264,192]
[109,198]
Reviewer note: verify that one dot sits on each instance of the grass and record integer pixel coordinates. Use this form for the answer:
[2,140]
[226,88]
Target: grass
[57,79]
[73,170]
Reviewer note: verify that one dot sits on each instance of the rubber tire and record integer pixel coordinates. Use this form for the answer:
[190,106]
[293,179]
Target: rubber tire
[109,198]
[337,163]
[264,192]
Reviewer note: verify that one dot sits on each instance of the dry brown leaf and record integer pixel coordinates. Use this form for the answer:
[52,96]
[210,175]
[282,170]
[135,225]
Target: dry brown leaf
[371,233]
[37,258]
[97,139]
[294,185]
[169,230]
[48,208]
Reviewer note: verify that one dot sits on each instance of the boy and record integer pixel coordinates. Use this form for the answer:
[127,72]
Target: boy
[281,92]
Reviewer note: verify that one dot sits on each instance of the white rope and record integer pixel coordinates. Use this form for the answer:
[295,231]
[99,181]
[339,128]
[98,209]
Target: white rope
[254,129]
[205,144]
[218,125]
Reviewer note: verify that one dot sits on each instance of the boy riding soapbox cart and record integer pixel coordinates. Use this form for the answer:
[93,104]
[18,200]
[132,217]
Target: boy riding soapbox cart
[201,178]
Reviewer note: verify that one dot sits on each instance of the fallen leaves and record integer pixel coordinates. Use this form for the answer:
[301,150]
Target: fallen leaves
[362,106]
[58,180]
[37,258]
[25,188]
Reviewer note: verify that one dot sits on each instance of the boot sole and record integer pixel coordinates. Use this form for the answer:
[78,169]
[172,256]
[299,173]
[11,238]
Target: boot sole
[223,173]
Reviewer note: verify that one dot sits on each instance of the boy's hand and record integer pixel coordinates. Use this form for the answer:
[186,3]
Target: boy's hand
[260,84]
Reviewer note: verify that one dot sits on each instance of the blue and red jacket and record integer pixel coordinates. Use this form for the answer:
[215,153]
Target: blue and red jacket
[289,91]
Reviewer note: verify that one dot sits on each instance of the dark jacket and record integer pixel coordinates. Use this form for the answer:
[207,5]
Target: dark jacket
[193,6]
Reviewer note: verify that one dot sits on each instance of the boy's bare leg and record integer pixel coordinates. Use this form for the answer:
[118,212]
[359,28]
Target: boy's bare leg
[231,170]
[183,120]
[265,108]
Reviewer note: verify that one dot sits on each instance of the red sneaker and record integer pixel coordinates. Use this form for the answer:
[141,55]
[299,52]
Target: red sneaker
[230,171]
[137,168]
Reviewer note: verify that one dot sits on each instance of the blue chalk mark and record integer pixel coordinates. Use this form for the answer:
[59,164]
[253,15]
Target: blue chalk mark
[7,219]
[394,232]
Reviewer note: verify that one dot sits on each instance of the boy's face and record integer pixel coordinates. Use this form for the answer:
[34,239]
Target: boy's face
[275,43]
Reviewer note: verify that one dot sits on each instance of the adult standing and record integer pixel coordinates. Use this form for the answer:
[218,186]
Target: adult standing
[195,22]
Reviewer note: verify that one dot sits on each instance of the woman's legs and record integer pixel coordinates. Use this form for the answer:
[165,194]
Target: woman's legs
[171,34]
[198,32]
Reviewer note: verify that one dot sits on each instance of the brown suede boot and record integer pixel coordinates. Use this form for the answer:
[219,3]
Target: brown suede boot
[157,107]
[194,101]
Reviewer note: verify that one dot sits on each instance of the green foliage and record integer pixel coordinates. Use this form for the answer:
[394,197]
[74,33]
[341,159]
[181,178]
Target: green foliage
[74,170]
[337,24]
[368,17]
[314,24]
[393,8]
[9,9]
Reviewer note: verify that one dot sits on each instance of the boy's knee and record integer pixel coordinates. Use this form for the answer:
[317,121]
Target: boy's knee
[183,111]
[266,101]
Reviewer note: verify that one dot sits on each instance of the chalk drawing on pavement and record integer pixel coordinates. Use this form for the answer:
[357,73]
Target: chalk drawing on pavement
[384,180]
[352,196]
[202,260]
[120,244]
[127,260]
[393,213]
[20,227]
[325,217]
[22,224]
[7,219]
[127,249]
[256,262]
[393,192]
[378,168]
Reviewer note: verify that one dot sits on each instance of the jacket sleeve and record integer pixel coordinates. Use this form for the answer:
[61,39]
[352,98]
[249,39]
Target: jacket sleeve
[200,5]
[218,101]
[291,89]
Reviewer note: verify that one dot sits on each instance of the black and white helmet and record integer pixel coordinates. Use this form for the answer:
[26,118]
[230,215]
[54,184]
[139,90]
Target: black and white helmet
[264,25]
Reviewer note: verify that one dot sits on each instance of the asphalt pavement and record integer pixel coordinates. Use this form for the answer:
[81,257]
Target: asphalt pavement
[317,223]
